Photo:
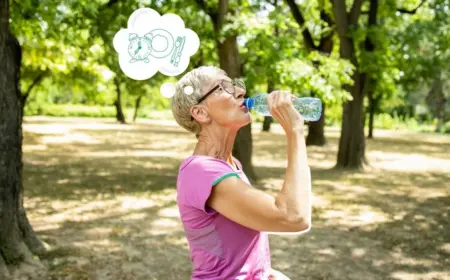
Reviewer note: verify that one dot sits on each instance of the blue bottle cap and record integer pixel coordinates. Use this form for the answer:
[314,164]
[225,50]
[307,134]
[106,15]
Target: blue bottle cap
[249,103]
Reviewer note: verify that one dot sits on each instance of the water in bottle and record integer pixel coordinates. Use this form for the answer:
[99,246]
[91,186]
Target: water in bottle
[309,107]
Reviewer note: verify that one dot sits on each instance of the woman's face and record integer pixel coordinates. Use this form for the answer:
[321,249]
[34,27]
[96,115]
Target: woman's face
[223,107]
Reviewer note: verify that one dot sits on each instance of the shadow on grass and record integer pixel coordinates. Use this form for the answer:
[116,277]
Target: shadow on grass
[73,178]
[135,244]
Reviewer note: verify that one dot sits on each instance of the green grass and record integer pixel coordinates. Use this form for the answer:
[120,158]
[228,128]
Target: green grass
[333,119]
[76,110]
[102,195]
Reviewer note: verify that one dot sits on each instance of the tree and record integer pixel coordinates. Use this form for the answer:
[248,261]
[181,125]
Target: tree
[360,44]
[422,53]
[230,62]
[316,133]
[18,241]
[275,57]
[351,152]
[385,43]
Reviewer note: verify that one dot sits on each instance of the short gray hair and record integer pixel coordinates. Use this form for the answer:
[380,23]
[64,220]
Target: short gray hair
[182,102]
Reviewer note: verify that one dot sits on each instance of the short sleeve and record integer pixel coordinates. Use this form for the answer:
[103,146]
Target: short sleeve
[197,179]
[238,163]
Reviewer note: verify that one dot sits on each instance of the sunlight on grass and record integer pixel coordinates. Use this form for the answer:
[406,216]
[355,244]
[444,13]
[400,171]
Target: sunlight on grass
[31,148]
[358,252]
[129,202]
[171,212]
[132,154]
[327,251]
[69,138]
[407,162]
[401,275]
[357,217]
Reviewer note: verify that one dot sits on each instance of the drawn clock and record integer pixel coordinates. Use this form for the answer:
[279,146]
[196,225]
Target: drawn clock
[140,48]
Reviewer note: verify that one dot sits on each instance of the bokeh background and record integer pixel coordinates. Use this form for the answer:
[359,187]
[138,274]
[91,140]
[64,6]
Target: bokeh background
[101,151]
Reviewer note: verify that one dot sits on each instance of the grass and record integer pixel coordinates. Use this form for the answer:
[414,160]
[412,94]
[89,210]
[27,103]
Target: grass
[102,196]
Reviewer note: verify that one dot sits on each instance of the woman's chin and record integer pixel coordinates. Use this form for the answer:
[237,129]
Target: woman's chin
[240,120]
[247,119]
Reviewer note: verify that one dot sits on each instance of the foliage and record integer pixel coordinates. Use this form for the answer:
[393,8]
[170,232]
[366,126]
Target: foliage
[69,43]
[421,50]
[90,111]
[71,110]
[446,127]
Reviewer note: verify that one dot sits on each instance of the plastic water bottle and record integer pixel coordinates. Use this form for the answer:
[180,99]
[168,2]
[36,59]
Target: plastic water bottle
[309,107]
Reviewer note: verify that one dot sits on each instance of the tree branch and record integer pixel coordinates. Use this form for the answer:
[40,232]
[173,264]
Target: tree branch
[402,10]
[108,5]
[209,11]
[355,11]
[223,9]
[36,81]
[202,5]
[309,42]
[340,15]
[405,11]
[371,22]
[326,42]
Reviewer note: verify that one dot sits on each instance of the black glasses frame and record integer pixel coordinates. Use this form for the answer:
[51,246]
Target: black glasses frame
[235,82]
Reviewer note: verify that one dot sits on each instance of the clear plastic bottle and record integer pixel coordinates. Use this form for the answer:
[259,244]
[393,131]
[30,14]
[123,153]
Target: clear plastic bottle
[309,107]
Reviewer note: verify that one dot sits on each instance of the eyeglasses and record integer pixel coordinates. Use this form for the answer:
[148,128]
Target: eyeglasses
[227,86]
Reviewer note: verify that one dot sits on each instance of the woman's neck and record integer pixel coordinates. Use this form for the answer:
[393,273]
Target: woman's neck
[217,143]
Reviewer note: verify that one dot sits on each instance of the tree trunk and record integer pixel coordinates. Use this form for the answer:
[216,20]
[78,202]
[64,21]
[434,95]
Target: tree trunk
[268,119]
[373,108]
[243,145]
[440,100]
[25,96]
[351,152]
[136,107]
[371,113]
[230,62]
[370,82]
[266,123]
[118,103]
[13,243]
[316,131]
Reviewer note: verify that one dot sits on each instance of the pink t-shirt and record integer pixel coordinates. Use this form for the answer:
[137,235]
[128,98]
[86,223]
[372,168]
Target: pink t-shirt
[220,249]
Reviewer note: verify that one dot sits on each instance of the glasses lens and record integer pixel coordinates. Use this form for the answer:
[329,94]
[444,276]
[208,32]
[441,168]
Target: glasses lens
[239,83]
[228,87]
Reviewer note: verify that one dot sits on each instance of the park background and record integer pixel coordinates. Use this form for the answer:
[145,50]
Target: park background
[95,197]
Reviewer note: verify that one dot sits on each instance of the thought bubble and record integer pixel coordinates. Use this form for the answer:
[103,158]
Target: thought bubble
[153,43]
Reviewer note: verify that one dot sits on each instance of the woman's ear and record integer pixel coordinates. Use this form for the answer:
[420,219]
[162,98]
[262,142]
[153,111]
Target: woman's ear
[200,113]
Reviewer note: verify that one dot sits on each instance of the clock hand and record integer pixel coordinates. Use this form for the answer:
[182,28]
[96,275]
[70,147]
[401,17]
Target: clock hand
[138,49]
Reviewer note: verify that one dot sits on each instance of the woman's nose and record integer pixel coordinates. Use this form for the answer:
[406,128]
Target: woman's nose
[239,93]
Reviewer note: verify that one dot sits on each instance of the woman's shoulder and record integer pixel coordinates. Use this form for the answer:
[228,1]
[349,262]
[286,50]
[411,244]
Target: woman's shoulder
[201,163]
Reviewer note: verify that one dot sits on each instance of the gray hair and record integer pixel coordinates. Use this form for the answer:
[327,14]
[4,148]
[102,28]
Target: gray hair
[182,102]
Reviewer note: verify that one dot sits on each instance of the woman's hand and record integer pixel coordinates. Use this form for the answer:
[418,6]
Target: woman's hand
[282,110]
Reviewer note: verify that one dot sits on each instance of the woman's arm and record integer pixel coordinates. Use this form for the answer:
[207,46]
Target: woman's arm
[294,199]
[289,211]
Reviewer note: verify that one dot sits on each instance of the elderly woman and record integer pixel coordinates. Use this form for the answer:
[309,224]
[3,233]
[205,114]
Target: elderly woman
[225,219]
